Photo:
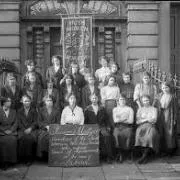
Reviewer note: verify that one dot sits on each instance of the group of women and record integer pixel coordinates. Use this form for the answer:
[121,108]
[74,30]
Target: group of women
[128,116]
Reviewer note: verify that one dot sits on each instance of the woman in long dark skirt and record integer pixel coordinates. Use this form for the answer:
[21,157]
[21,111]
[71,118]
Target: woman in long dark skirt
[168,119]
[27,131]
[47,115]
[123,116]
[147,136]
[8,134]
[95,114]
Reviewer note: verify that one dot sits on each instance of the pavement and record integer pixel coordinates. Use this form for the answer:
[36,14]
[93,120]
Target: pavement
[158,169]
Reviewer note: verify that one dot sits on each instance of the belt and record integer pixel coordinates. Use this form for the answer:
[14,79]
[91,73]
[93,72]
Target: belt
[123,124]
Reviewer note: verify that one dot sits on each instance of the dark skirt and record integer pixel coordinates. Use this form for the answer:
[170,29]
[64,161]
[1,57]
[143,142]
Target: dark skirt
[42,143]
[27,146]
[109,106]
[147,136]
[124,136]
[106,143]
[8,149]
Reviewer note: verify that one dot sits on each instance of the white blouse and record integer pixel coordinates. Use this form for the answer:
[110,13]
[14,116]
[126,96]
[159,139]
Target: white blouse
[72,117]
[109,92]
[102,73]
[123,114]
[165,100]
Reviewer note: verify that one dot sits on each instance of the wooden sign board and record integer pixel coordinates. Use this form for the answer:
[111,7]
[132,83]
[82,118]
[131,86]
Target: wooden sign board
[73,145]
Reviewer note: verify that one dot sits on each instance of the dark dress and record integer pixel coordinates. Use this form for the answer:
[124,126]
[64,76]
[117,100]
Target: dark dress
[55,77]
[167,124]
[45,119]
[35,94]
[86,92]
[106,138]
[27,142]
[15,98]
[8,143]
[64,93]
[128,90]
[39,79]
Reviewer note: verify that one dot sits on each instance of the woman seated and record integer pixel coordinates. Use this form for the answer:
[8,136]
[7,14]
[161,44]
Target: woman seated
[47,115]
[147,136]
[8,134]
[123,116]
[89,89]
[96,114]
[27,131]
[72,114]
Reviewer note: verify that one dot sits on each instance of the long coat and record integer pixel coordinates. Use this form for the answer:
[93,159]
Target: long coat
[86,92]
[167,124]
[106,138]
[8,143]
[54,76]
[15,98]
[27,142]
[45,119]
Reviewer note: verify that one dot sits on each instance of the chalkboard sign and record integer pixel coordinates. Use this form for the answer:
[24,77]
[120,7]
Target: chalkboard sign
[73,145]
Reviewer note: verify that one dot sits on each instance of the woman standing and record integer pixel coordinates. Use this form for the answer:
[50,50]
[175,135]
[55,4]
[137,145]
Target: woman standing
[102,72]
[54,72]
[123,116]
[67,88]
[95,114]
[30,64]
[147,136]
[27,131]
[168,118]
[145,88]
[127,88]
[109,96]
[8,134]
[12,91]
[48,115]
[89,89]
[72,114]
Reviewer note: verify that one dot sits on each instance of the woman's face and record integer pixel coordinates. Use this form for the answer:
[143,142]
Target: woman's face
[165,88]
[49,102]
[68,80]
[72,100]
[122,101]
[32,78]
[126,79]
[74,69]
[91,80]
[7,103]
[114,68]
[146,101]
[94,99]
[56,61]
[31,67]
[111,81]
[26,102]
[146,79]
[104,62]
[50,85]
[12,81]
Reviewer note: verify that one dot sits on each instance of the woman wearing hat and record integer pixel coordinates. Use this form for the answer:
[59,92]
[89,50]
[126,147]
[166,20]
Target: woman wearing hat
[168,119]
[46,116]
[30,64]
[27,130]
[12,90]
[145,88]
[8,134]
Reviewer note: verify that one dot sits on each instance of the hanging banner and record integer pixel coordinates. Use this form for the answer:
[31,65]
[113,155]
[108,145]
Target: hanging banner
[77,41]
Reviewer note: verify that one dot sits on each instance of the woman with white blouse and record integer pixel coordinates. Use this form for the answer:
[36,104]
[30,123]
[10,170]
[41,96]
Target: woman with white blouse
[72,114]
[123,116]
[109,96]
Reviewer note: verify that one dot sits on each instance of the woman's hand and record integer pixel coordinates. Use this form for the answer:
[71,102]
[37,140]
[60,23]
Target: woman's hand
[28,131]
[47,127]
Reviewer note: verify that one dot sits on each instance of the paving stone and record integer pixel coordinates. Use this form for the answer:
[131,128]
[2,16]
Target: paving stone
[157,175]
[83,173]
[43,172]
